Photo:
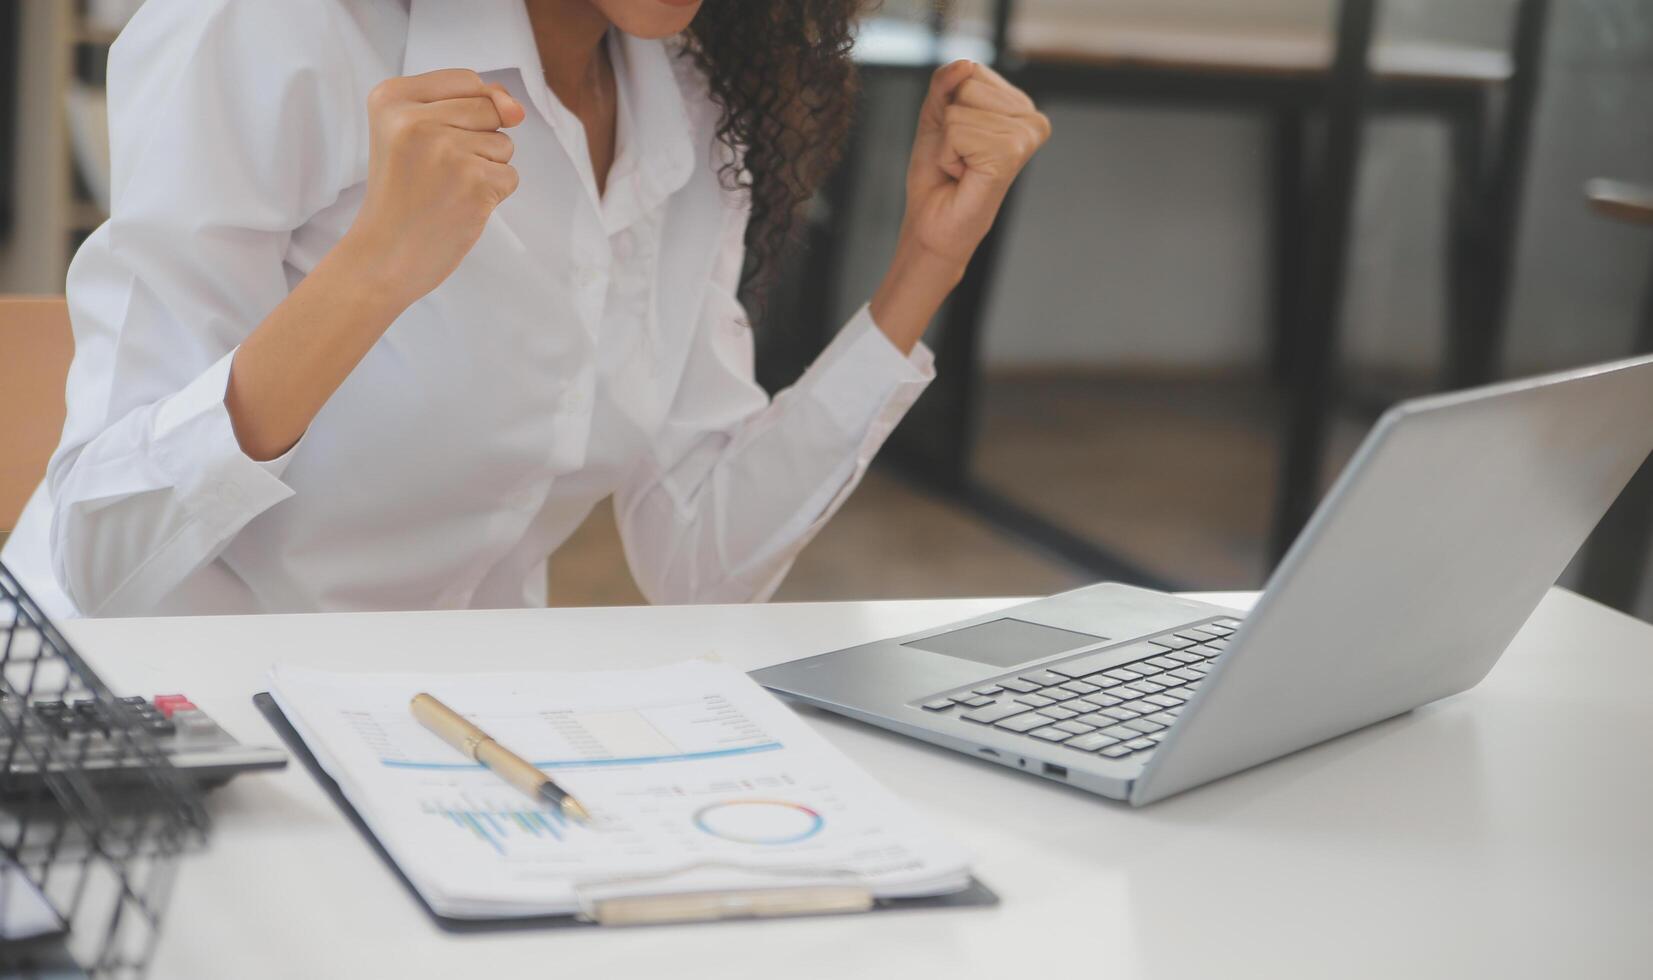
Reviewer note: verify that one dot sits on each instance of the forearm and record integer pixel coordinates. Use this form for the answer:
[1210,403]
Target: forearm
[436,171]
[914,288]
[291,364]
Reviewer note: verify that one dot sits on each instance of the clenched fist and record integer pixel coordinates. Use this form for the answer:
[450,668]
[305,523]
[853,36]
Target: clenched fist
[975,134]
[438,165]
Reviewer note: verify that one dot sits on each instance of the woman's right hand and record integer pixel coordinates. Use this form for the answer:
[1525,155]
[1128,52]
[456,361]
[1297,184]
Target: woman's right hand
[438,165]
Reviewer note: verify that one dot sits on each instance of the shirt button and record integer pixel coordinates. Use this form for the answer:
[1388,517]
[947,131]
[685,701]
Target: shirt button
[574,393]
[229,494]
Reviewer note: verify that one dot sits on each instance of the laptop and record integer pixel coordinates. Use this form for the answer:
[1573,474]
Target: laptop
[1436,543]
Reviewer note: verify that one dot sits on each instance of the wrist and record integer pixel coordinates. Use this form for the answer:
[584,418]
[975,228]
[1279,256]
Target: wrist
[917,283]
[923,266]
[364,265]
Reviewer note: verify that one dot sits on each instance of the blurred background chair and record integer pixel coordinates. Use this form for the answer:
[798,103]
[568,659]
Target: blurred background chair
[35,349]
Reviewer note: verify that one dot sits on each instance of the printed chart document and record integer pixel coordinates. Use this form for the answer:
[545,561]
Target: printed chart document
[697,780]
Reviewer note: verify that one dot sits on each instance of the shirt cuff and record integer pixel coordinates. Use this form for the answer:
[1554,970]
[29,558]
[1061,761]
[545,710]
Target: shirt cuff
[278,466]
[194,443]
[863,381]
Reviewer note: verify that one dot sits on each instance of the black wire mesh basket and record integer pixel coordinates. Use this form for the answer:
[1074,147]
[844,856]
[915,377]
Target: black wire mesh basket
[93,817]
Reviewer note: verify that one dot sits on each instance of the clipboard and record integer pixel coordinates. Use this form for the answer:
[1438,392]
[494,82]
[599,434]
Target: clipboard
[636,910]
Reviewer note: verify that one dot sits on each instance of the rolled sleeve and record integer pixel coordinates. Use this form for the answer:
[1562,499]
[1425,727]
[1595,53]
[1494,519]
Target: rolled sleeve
[740,484]
[148,483]
[194,442]
[865,384]
[175,478]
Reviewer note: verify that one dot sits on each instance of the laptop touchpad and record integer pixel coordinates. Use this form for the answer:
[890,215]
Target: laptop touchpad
[1005,642]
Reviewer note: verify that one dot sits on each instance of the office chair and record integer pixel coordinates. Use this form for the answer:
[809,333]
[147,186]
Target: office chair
[35,349]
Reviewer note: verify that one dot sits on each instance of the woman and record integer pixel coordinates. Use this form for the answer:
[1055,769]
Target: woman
[395,291]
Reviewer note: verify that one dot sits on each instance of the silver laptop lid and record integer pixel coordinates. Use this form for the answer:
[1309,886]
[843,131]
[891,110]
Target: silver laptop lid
[1420,566]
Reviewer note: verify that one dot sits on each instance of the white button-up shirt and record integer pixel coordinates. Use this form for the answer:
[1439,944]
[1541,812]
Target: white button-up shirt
[590,345]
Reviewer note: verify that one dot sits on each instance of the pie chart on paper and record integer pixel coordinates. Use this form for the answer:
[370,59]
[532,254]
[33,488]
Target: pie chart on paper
[759,821]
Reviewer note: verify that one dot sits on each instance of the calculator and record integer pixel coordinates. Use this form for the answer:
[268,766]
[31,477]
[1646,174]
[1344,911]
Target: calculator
[198,747]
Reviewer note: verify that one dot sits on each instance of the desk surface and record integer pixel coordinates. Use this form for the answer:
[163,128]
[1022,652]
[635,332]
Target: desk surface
[1504,832]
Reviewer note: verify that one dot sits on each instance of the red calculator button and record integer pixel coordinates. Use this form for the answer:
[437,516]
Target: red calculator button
[166,704]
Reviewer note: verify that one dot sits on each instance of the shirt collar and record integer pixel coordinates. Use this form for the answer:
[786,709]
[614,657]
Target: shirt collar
[657,149]
[482,35]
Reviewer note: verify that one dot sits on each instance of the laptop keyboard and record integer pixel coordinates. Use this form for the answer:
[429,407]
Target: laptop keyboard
[1116,702]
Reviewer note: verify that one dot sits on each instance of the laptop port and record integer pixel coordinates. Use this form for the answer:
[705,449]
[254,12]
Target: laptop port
[992,752]
[1060,772]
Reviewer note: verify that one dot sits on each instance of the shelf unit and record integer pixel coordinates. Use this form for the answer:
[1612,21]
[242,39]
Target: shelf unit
[60,46]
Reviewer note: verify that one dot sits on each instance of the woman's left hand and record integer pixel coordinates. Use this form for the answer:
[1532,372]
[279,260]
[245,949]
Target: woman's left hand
[975,134]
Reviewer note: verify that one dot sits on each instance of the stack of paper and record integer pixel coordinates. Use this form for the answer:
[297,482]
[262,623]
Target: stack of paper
[697,780]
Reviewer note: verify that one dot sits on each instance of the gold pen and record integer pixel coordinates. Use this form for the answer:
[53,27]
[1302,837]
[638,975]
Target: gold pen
[452,728]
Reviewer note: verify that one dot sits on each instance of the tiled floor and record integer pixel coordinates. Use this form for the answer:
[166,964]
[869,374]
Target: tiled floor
[1177,475]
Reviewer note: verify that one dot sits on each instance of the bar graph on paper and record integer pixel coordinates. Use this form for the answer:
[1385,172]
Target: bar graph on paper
[504,827]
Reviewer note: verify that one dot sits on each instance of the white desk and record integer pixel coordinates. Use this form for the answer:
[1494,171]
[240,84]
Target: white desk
[1507,832]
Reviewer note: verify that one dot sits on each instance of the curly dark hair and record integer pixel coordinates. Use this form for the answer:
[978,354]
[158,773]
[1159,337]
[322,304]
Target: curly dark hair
[781,75]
